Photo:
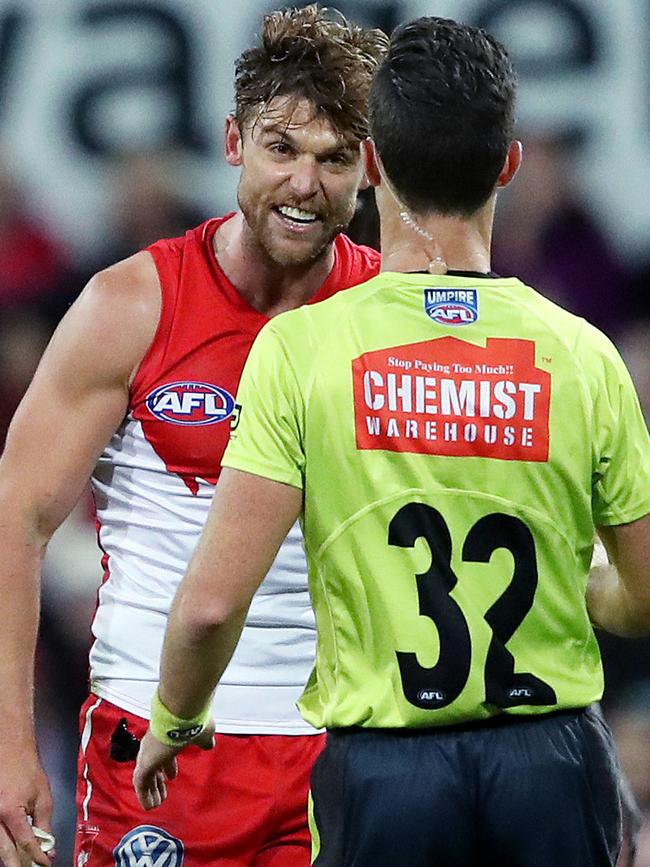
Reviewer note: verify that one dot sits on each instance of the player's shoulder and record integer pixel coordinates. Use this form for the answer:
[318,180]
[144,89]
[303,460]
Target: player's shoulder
[128,287]
[199,235]
[170,255]
[132,286]
[358,262]
[119,309]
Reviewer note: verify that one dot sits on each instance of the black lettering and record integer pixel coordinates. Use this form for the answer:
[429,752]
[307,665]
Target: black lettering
[503,686]
[437,687]
[577,52]
[172,76]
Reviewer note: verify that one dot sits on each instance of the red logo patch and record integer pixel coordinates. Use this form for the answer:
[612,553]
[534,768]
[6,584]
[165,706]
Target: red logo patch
[451,397]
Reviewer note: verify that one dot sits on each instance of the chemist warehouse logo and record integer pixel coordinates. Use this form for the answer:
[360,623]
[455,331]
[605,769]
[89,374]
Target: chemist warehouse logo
[192,403]
[451,306]
[451,397]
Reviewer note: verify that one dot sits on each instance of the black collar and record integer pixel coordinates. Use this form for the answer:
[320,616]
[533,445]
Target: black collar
[483,274]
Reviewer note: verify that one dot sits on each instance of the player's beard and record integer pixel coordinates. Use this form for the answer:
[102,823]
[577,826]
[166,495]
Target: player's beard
[285,251]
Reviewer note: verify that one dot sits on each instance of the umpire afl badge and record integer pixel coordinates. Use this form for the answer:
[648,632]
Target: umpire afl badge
[451,306]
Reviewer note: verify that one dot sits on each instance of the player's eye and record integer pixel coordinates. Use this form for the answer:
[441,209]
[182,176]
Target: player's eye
[280,148]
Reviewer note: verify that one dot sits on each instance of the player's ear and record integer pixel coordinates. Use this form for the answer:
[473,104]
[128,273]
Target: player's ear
[234,146]
[370,163]
[511,164]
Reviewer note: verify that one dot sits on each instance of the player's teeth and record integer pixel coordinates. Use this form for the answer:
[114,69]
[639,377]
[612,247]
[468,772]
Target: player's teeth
[296,213]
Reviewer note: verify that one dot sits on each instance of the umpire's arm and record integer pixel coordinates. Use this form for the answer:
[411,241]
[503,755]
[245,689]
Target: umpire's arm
[249,518]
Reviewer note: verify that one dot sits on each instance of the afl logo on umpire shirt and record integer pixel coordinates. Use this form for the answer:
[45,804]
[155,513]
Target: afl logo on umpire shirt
[148,846]
[451,306]
[190,403]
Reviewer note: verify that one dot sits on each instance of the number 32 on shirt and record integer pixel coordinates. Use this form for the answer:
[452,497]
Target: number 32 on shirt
[439,686]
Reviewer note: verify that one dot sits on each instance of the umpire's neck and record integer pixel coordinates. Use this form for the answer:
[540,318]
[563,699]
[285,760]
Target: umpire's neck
[417,241]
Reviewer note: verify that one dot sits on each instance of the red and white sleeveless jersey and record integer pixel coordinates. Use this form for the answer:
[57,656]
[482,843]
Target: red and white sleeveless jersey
[153,486]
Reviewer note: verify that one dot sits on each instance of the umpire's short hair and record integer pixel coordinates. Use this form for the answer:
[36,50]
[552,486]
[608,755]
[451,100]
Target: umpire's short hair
[442,114]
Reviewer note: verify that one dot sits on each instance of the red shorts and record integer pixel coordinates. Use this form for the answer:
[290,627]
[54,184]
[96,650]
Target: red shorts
[241,804]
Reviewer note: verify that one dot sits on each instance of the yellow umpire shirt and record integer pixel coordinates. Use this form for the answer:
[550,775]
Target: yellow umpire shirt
[457,439]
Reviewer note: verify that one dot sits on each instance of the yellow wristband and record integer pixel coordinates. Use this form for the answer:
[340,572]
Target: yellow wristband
[172,730]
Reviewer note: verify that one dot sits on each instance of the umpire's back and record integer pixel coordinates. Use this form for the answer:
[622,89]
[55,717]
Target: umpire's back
[478,433]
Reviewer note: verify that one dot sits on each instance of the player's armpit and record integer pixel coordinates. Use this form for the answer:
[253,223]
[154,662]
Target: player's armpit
[618,598]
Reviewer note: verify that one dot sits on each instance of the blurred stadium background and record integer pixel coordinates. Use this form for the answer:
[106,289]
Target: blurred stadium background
[111,118]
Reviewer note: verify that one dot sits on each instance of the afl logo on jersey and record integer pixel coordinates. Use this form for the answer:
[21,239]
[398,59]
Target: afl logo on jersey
[193,403]
[428,697]
[451,306]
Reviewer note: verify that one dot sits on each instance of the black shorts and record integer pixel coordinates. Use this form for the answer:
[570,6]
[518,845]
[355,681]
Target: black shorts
[531,792]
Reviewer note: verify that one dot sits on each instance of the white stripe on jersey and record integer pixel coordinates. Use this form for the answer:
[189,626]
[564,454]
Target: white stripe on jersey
[150,523]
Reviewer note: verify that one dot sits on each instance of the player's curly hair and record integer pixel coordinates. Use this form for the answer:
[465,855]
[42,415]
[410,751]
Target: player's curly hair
[312,53]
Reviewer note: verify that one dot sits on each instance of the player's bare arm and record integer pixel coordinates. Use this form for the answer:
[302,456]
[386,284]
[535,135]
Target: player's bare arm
[76,401]
[619,598]
[249,518]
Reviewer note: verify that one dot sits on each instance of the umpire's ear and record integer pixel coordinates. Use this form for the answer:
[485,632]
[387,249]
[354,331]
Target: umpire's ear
[370,162]
[511,163]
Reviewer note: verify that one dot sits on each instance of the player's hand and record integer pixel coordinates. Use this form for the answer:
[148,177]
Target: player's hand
[599,556]
[156,764]
[601,585]
[24,791]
